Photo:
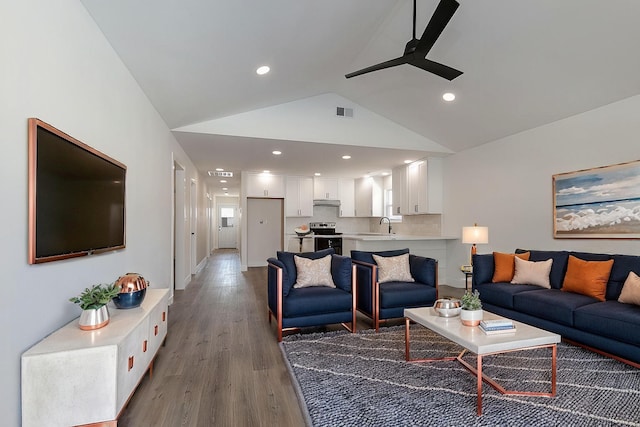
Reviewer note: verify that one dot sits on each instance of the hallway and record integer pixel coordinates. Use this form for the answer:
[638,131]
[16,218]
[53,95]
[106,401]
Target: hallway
[221,365]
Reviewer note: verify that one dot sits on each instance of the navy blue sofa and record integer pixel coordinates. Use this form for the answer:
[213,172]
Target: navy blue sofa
[384,301]
[315,305]
[608,327]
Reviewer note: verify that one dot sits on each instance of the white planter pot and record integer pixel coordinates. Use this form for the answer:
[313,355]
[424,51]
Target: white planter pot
[94,319]
[470,317]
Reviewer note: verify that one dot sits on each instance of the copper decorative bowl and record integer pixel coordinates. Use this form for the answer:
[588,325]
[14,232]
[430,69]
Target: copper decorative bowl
[133,288]
[302,231]
[447,307]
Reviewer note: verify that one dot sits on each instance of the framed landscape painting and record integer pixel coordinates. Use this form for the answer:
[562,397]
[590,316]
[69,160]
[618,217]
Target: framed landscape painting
[598,203]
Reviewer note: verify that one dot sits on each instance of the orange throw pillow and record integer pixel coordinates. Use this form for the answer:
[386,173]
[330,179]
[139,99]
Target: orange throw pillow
[505,266]
[587,277]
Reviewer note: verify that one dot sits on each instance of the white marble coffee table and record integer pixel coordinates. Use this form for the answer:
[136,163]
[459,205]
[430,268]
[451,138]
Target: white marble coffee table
[472,339]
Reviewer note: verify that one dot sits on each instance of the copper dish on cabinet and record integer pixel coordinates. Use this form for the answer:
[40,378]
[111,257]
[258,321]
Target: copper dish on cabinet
[133,288]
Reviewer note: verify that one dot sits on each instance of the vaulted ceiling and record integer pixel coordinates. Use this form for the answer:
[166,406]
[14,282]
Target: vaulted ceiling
[525,63]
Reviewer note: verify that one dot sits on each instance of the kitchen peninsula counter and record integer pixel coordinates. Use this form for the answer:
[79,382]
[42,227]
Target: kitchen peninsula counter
[428,246]
[392,237]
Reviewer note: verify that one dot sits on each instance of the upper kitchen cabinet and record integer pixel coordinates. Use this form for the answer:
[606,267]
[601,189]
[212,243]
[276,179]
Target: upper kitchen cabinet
[299,196]
[369,197]
[347,196]
[325,188]
[264,185]
[424,187]
[399,190]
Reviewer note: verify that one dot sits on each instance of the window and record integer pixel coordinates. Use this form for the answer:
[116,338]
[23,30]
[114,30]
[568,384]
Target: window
[227,214]
[388,206]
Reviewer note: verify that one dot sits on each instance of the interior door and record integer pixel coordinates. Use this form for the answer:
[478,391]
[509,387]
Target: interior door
[265,219]
[227,227]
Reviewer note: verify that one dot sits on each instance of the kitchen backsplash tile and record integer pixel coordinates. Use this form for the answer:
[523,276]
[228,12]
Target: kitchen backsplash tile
[413,225]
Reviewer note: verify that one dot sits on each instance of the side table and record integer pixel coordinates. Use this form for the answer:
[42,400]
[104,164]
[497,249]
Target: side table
[467,275]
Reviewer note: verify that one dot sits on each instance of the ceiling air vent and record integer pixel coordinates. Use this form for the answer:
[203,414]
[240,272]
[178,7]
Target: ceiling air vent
[221,174]
[344,112]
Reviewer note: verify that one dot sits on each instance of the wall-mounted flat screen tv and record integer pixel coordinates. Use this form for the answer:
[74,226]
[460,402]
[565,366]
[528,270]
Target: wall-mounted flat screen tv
[76,197]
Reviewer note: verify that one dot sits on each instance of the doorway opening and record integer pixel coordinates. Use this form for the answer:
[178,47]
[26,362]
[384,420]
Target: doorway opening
[178,276]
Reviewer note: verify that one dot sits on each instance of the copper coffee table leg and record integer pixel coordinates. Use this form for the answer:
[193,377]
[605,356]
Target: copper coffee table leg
[477,371]
[479,378]
[407,357]
[407,348]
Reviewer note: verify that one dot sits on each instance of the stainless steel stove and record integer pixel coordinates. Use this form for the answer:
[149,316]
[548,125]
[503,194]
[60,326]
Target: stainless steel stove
[326,236]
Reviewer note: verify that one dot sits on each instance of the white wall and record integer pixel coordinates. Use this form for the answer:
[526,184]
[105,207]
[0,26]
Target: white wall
[314,119]
[507,184]
[57,66]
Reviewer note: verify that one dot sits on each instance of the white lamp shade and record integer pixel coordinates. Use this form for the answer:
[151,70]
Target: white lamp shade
[475,234]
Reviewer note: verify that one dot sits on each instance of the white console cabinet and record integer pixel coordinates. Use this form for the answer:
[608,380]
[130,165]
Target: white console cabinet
[75,377]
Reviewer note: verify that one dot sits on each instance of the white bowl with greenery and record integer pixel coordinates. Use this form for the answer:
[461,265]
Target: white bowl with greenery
[471,313]
[93,302]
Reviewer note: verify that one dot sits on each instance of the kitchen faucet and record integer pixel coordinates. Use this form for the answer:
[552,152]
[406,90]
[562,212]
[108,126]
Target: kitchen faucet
[388,220]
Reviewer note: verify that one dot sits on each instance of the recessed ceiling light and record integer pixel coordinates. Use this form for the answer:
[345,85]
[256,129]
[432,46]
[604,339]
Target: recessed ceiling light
[317,174]
[406,162]
[276,152]
[449,96]
[346,157]
[223,181]
[219,169]
[266,171]
[224,188]
[263,70]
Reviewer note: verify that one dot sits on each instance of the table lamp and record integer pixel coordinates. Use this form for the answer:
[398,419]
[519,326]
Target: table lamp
[475,235]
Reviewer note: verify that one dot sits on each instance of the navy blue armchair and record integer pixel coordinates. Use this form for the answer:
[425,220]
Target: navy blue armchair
[314,304]
[387,300]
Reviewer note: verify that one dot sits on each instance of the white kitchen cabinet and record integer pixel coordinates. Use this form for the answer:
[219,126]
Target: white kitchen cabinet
[347,196]
[325,188]
[75,377]
[298,200]
[424,186]
[265,185]
[399,190]
[369,197]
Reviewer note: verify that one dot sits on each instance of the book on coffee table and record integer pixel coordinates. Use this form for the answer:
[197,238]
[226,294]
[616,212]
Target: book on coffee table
[497,324]
[498,330]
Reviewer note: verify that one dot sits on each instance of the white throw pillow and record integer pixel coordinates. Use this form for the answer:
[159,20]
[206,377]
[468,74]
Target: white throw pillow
[532,273]
[630,290]
[393,268]
[313,272]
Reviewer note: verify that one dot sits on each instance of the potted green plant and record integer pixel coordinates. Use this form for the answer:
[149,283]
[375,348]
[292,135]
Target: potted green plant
[93,302]
[471,313]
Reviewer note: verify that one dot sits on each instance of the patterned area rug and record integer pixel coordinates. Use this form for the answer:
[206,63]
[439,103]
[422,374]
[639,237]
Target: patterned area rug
[362,380]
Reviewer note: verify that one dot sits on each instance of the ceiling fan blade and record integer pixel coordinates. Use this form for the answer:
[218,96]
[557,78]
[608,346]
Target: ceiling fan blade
[387,64]
[436,68]
[441,17]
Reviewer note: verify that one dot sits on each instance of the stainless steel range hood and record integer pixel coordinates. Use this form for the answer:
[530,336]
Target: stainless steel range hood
[325,202]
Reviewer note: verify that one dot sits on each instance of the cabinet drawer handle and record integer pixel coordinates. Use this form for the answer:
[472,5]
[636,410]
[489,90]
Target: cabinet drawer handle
[144,346]
[164,316]
[155,330]
[130,363]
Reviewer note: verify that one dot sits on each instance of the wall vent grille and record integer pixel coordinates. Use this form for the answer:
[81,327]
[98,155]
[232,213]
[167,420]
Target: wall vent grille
[344,112]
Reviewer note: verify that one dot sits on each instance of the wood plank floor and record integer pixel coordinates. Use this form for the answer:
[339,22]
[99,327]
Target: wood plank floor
[221,364]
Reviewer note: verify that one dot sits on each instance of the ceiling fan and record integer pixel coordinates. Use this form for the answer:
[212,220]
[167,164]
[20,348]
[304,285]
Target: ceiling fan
[416,49]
